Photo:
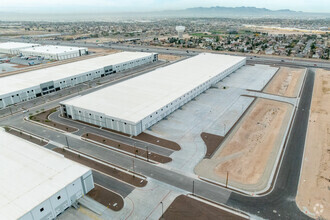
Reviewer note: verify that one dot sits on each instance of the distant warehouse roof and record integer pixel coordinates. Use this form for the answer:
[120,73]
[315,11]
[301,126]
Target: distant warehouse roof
[52,49]
[32,78]
[137,98]
[8,46]
[31,174]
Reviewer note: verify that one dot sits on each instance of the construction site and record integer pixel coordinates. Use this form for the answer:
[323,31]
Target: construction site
[202,135]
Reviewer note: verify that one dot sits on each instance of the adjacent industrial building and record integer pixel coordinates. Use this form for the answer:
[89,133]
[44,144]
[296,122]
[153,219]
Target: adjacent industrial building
[136,104]
[54,52]
[29,85]
[37,183]
[15,47]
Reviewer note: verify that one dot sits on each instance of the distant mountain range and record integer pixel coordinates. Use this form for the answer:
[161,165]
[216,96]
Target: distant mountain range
[235,12]
[208,12]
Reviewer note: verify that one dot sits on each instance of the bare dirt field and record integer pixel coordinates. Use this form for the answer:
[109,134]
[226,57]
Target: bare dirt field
[116,173]
[186,208]
[100,40]
[103,50]
[286,82]
[314,186]
[168,57]
[249,151]
[128,148]
[107,198]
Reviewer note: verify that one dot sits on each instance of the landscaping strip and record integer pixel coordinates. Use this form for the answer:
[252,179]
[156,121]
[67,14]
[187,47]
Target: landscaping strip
[128,148]
[212,142]
[43,118]
[107,198]
[184,207]
[111,171]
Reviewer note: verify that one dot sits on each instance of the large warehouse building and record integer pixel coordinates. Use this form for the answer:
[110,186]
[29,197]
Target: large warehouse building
[136,104]
[37,183]
[29,85]
[51,52]
[15,47]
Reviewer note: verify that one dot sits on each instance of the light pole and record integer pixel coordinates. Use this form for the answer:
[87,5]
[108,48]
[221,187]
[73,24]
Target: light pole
[67,142]
[147,154]
[162,209]
[193,189]
[133,165]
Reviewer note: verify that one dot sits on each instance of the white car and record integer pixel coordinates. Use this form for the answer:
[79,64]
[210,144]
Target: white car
[25,111]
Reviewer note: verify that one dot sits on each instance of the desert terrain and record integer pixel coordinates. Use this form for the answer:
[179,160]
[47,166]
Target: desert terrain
[168,57]
[314,187]
[249,152]
[286,82]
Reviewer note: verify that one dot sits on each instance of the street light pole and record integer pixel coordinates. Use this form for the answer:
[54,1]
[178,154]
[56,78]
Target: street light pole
[67,142]
[147,154]
[193,189]
[162,209]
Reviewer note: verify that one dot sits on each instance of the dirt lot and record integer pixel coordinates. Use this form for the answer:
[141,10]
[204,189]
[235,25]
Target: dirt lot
[246,153]
[212,142]
[107,198]
[125,177]
[128,148]
[26,137]
[184,207]
[314,186]
[43,118]
[287,82]
[168,57]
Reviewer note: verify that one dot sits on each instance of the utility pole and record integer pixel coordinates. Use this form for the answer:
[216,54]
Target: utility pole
[147,154]
[227,180]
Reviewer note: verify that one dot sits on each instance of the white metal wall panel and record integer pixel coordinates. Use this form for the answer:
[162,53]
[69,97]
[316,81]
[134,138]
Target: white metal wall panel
[43,211]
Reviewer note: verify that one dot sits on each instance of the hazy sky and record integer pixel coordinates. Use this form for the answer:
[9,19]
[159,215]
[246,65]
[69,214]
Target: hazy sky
[149,5]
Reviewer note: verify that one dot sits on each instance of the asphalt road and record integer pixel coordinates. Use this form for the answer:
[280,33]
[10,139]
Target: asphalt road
[282,198]
[121,138]
[297,62]
[279,204]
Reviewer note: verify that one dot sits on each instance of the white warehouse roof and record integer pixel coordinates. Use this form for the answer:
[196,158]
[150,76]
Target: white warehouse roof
[32,78]
[16,45]
[30,174]
[52,49]
[135,99]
